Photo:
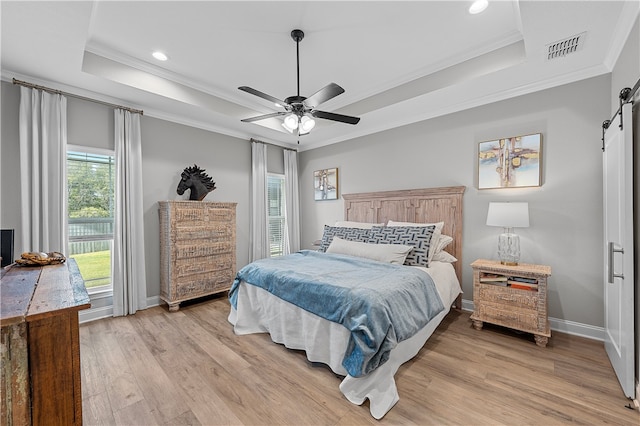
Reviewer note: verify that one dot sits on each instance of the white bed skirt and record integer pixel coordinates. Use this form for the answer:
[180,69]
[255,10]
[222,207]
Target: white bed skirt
[258,311]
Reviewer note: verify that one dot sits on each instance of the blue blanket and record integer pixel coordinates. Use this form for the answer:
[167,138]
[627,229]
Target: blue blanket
[380,303]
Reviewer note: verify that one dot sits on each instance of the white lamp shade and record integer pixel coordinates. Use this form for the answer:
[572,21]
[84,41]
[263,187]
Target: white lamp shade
[508,215]
[306,124]
[291,122]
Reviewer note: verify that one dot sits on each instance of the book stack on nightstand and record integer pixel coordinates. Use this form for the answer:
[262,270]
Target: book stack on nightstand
[511,296]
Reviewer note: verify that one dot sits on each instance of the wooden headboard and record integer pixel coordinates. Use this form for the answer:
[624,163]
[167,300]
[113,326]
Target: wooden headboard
[426,205]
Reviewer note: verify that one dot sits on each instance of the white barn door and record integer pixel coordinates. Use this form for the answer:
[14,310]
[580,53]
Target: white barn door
[618,248]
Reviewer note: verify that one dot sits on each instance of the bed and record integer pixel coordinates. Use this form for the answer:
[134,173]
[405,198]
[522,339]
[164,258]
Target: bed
[256,309]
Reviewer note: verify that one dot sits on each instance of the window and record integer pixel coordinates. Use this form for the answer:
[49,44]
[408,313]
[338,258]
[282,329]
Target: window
[275,213]
[91,186]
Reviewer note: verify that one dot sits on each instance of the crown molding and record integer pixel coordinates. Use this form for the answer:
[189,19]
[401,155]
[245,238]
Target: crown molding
[628,16]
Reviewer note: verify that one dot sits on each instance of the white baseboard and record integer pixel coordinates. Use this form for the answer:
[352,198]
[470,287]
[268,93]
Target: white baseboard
[563,326]
[153,301]
[93,314]
[577,329]
[467,305]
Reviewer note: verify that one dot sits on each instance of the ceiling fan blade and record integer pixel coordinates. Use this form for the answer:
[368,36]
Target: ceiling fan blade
[336,117]
[262,95]
[263,117]
[329,91]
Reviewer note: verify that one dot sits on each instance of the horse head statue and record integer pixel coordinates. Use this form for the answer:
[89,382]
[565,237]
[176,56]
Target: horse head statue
[195,179]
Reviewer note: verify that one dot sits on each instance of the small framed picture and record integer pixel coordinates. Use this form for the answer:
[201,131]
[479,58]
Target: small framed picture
[325,184]
[510,162]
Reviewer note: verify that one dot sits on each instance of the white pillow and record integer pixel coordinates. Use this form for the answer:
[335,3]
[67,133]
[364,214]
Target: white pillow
[444,241]
[361,225]
[389,253]
[435,238]
[444,256]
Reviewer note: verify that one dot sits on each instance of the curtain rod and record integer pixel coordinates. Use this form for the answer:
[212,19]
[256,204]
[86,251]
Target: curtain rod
[272,144]
[72,95]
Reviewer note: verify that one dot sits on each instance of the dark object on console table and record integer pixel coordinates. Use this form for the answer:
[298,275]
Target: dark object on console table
[41,344]
[6,247]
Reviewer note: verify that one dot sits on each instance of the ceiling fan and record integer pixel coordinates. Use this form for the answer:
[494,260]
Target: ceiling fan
[299,111]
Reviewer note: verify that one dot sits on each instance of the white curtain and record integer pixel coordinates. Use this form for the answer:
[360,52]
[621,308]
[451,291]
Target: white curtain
[258,230]
[43,172]
[129,278]
[292,202]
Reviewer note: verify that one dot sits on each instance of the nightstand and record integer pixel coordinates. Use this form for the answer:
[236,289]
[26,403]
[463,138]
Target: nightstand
[511,296]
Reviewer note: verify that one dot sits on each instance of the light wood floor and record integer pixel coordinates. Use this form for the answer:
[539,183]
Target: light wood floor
[188,367]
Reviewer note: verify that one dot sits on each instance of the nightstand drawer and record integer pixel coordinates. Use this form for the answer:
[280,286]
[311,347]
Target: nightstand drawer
[508,296]
[525,320]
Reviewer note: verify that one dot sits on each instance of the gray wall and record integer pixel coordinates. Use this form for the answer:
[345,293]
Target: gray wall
[167,148]
[565,212]
[10,163]
[627,69]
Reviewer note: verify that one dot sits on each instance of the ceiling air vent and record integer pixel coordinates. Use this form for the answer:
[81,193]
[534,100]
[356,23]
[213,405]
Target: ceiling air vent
[566,46]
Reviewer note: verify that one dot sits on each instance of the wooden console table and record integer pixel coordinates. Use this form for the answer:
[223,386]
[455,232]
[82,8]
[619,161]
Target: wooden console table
[40,381]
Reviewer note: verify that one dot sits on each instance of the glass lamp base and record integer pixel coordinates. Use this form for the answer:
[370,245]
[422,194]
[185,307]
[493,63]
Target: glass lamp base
[509,249]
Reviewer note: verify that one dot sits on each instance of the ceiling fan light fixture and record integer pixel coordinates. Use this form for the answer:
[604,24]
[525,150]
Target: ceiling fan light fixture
[290,122]
[306,124]
[286,128]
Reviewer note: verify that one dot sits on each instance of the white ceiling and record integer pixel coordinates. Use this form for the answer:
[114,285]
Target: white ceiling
[399,62]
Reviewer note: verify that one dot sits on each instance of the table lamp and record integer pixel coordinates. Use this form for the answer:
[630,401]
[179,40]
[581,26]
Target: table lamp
[508,215]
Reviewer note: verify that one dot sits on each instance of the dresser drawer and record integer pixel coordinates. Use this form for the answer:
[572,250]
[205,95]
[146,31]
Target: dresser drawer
[203,284]
[187,267]
[210,233]
[191,249]
[198,214]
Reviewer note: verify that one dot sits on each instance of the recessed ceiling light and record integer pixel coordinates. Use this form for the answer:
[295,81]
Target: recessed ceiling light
[160,56]
[478,6]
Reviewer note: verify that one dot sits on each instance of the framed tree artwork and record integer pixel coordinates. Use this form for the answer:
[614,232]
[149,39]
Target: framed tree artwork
[325,184]
[513,162]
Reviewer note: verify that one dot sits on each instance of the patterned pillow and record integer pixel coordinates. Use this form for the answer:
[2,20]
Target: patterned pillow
[417,236]
[349,234]
[436,234]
